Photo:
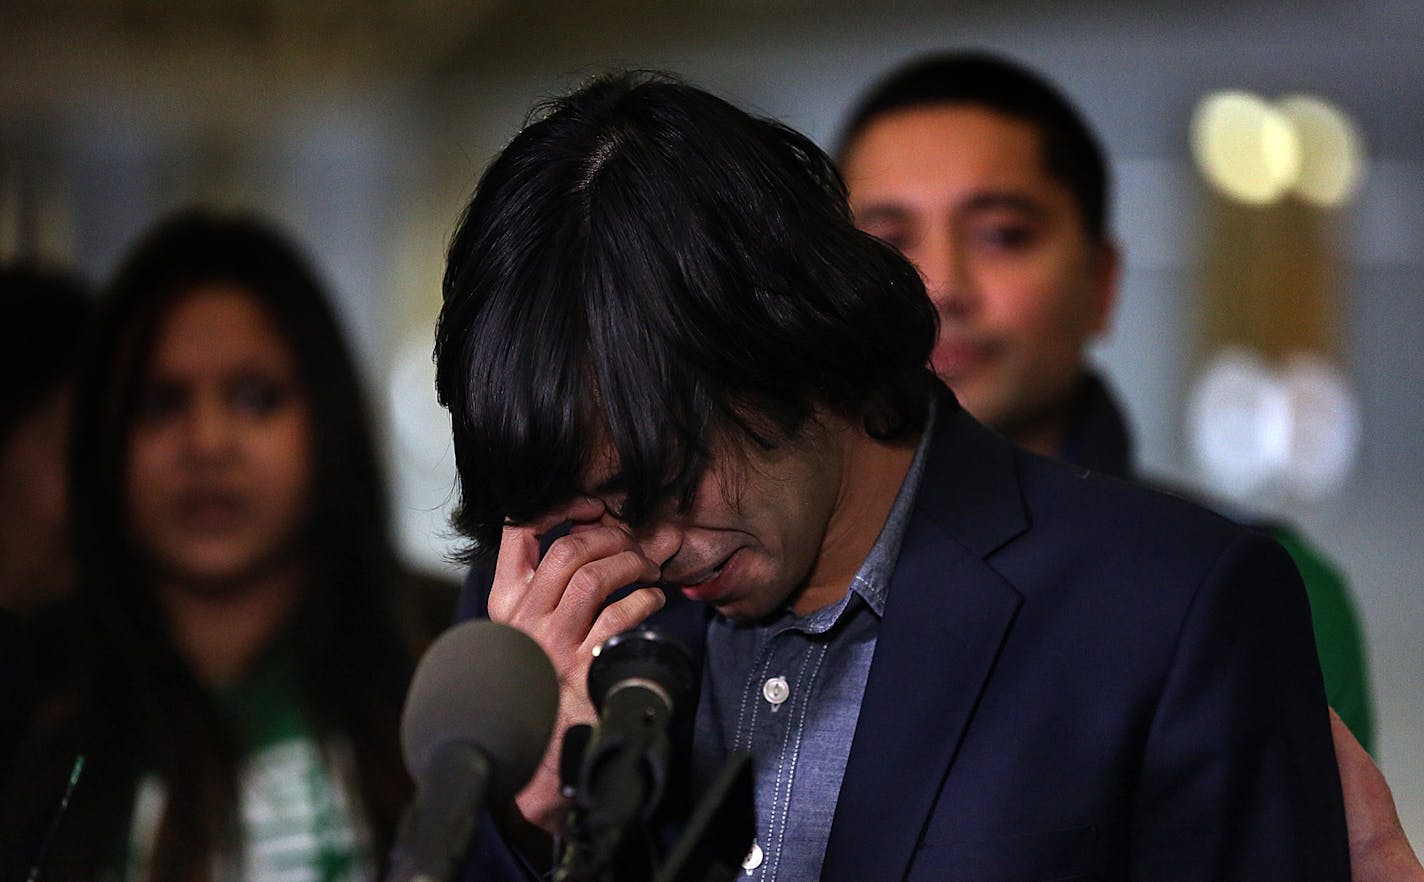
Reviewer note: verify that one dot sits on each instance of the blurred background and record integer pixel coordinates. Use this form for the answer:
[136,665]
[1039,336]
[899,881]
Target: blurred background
[1267,342]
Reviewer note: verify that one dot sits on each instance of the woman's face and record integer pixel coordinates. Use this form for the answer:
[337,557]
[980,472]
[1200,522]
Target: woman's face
[220,457]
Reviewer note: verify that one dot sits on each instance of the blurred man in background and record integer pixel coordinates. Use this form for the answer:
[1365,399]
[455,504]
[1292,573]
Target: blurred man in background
[990,181]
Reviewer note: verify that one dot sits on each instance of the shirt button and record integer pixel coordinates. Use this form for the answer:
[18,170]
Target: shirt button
[753,859]
[776,690]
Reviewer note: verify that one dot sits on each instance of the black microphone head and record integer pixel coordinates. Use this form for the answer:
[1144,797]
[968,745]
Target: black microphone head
[489,686]
[642,654]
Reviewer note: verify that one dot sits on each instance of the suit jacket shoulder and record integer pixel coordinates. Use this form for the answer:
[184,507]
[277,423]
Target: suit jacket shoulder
[1076,676]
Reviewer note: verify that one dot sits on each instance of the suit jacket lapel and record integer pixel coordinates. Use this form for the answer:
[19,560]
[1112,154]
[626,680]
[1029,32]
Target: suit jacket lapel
[947,614]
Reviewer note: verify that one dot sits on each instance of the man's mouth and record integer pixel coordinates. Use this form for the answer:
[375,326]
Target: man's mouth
[705,576]
[711,583]
[952,359]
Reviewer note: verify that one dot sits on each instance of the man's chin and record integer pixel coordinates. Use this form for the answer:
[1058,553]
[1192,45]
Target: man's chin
[974,397]
[743,609]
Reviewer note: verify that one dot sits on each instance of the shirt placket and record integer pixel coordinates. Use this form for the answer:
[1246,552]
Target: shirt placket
[775,702]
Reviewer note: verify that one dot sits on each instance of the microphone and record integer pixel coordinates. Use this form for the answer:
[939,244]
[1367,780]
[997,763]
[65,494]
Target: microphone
[478,716]
[616,772]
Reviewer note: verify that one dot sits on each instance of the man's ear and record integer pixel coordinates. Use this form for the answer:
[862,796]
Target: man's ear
[1106,274]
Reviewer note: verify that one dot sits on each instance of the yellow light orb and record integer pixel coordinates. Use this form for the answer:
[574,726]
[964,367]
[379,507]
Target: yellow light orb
[1247,149]
[1331,151]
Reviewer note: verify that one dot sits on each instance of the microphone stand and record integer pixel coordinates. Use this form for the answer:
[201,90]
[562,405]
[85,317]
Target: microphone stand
[620,782]
[720,831]
[616,773]
[443,816]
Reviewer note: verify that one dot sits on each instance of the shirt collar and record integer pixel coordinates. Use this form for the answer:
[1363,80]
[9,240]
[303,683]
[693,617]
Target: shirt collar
[871,582]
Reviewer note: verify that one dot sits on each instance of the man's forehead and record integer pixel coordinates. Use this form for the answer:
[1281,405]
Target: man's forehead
[602,472]
[604,476]
[971,159]
[935,140]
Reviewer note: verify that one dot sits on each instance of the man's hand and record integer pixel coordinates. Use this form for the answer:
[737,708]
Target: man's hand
[558,601]
[1379,850]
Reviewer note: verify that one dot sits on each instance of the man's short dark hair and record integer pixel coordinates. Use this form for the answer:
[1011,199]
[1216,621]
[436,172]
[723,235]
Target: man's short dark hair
[650,270]
[1071,152]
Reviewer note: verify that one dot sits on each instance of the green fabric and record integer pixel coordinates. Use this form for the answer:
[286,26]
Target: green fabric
[278,743]
[297,821]
[263,708]
[1338,636]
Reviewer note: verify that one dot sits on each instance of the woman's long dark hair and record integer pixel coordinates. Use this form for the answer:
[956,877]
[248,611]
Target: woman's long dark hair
[138,707]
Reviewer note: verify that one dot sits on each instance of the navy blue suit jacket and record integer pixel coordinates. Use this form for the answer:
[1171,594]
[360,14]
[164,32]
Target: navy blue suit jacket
[1075,678]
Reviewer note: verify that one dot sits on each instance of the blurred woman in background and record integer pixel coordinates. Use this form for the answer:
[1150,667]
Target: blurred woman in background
[46,310]
[246,652]
[45,313]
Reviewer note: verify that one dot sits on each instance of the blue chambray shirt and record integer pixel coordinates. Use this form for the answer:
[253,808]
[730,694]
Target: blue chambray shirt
[788,691]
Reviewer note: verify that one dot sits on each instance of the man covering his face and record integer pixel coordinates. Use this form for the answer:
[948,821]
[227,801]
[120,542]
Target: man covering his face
[673,363]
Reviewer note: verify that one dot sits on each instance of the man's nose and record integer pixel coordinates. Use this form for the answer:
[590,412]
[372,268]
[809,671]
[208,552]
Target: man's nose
[946,273]
[660,542]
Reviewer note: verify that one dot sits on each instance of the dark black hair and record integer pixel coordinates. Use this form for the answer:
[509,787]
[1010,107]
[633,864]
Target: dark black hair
[45,310]
[650,269]
[137,705]
[1071,152]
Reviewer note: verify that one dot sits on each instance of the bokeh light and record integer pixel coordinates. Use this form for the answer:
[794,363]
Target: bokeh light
[1257,432]
[1331,153]
[1255,151]
[1246,148]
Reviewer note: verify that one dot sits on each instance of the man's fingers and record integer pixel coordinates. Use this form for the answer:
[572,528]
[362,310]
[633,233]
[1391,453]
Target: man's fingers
[514,566]
[519,544]
[629,612]
[593,582]
[519,560]
[580,570]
